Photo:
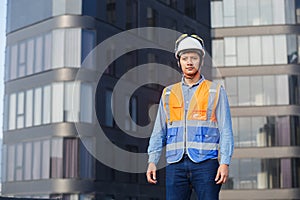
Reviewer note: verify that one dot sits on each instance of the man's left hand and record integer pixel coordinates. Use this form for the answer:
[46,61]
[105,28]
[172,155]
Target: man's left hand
[222,174]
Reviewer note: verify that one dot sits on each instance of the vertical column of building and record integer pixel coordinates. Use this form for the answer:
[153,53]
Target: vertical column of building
[41,152]
[256,55]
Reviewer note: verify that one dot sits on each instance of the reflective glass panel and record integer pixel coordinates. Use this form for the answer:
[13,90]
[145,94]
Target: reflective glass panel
[263,174]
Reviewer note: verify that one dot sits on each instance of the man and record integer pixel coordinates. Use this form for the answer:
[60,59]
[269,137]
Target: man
[194,123]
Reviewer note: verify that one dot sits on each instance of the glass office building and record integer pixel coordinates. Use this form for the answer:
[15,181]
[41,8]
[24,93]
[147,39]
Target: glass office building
[255,48]
[47,41]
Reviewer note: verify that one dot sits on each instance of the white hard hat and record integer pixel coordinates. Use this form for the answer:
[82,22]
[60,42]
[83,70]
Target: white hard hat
[187,43]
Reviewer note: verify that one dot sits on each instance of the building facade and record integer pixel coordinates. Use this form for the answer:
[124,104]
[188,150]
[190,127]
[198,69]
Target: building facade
[47,41]
[255,48]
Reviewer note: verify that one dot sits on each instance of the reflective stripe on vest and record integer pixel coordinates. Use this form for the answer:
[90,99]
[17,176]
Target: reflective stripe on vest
[202,134]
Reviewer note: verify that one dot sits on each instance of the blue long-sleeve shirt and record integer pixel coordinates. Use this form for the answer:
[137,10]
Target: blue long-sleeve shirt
[157,139]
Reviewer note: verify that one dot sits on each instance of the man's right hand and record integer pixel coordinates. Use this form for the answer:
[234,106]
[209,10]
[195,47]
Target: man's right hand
[151,173]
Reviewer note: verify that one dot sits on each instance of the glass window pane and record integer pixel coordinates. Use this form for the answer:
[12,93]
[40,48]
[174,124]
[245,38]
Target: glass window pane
[7,64]
[230,51]
[241,13]
[30,56]
[244,91]
[242,51]
[13,62]
[267,50]
[231,88]
[255,50]
[257,128]
[253,12]
[46,159]
[20,110]
[86,102]
[282,131]
[280,49]
[71,158]
[86,160]
[73,48]
[6,113]
[60,7]
[38,54]
[28,161]
[218,52]
[257,93]
[57,102]
[10,162]
[46,104]
[29,108]
[292,49]
[34,10]
[21,63]
[282,90]
[57,158]
[229,12]
[269,90]
[217,13]
[244,132]
[36,168]
[48,51]
[37,106]
[19,162]
[289,14]
[278,12]
[58,48]
[88,42]
[4,168]
[266,12]
[12,112]
[72,100]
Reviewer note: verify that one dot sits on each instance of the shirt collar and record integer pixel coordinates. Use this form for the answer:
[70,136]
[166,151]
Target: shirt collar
[195,84]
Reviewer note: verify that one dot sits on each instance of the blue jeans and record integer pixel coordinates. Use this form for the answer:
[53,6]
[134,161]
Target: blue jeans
[185,175]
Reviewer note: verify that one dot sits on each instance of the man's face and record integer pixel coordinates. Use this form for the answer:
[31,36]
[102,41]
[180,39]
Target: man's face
[190,63]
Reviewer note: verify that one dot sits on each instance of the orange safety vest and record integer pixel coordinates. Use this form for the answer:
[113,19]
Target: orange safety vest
[195,132]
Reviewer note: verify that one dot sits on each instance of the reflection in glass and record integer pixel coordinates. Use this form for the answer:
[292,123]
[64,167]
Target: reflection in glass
[258,90]
[253,12]
[262,174]
[266,131]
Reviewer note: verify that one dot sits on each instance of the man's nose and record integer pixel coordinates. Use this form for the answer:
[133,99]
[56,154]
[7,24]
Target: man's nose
[190,61]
